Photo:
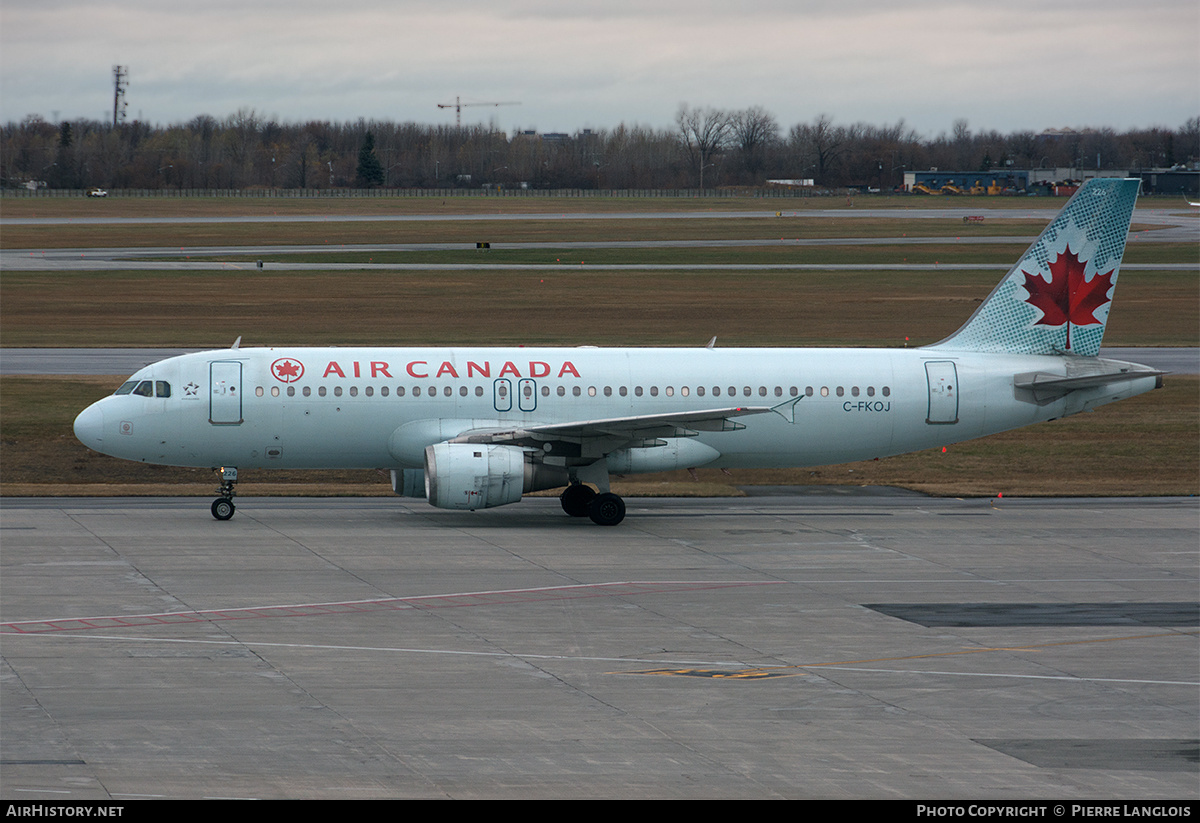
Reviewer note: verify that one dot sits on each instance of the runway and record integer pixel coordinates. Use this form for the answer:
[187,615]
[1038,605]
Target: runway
[838,644]
[1170,225]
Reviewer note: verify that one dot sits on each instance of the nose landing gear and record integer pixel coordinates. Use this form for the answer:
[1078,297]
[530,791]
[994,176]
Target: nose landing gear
[222,507]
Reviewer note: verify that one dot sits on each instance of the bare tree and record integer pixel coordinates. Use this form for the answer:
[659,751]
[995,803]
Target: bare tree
[823,142]
[754,130]
[703,133]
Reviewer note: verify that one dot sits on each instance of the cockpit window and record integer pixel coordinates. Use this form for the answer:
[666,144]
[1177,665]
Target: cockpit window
[145,389]
[126,388]
[162,388]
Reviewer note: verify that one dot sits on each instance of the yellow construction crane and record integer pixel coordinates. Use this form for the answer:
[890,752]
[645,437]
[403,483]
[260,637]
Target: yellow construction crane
[457,105]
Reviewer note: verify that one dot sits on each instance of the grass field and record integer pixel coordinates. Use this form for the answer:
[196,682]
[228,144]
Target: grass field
[210,309]
[1147,445]
[334,233]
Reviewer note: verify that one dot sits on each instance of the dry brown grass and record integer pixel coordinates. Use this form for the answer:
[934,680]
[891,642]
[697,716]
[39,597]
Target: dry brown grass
[175,207]
[335,234]
[210,309]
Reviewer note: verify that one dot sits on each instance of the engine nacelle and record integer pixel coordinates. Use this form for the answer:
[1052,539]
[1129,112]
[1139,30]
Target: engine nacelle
[676,453]
[476,476]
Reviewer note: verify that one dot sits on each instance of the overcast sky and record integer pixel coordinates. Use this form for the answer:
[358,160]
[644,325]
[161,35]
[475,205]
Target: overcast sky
[572,64]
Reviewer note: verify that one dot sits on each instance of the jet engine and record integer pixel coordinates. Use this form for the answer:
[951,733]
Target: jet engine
[475,476]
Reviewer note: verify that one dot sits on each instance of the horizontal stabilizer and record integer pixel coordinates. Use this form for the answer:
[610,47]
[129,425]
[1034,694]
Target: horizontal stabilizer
[1046,386]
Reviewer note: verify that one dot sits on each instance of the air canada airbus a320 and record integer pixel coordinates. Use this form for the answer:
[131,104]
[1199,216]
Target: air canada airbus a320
[474,428]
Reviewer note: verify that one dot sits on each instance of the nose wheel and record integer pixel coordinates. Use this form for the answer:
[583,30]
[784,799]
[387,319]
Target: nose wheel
[222,507]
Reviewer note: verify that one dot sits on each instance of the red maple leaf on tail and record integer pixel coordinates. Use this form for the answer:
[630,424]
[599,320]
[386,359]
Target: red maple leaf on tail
[1068,298]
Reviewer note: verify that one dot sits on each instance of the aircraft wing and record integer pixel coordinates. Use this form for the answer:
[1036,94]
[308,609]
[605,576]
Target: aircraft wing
[595,438]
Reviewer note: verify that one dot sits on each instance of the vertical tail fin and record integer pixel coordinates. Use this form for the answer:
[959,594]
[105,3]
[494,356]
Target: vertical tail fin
[1056,299]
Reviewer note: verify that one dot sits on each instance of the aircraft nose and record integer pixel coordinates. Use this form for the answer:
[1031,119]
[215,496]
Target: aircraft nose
[89,427]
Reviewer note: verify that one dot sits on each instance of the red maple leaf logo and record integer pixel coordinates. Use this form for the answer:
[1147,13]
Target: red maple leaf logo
[1068,298]
[287,370]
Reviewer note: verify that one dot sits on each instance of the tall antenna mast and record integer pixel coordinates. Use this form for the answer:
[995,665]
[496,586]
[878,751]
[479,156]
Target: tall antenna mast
[120,83]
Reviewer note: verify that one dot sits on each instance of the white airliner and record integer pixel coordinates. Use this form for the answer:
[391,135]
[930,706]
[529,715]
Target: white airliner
[474,428]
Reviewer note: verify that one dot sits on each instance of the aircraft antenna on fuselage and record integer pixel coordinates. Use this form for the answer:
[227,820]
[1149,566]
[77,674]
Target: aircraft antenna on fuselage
[237,344]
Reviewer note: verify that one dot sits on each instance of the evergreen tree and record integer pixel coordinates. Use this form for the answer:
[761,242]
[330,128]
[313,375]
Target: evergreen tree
[370,170]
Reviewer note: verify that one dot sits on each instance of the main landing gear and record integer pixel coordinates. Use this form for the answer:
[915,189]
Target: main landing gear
[605,509]
[222,507]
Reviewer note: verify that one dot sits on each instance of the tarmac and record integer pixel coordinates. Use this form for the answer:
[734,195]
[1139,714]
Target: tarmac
[807,643]
[118,361]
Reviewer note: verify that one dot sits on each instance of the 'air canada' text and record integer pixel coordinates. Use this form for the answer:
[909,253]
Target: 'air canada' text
[424,369]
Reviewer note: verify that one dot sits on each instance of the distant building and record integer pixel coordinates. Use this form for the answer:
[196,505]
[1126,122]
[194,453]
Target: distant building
[1057,181]
[1171,181]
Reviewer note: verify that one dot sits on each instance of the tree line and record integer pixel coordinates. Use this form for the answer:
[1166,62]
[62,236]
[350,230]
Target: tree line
[705,148]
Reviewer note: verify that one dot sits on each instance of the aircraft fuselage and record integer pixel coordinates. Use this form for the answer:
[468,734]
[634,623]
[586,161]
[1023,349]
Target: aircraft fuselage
[339,408]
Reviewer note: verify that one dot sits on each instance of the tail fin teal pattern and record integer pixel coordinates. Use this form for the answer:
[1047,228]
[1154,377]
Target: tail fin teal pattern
[1056,299]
